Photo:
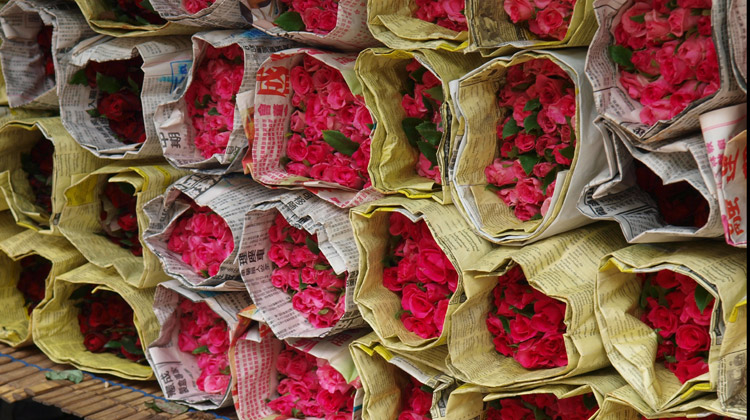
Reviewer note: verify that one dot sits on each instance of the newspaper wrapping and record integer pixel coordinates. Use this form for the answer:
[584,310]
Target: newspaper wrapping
[379,305]
[219,14]
[3,94]
[230,197]
[21,56]
[56,332]
[722,132]
[273,100]
[173,125]
[95,12]
[475,98]
[80,219]
[614,104]
[382,73]
[614,195]
[17,138]
[349,34]
[166,62]
[564,268]
[302,210]
[493,33]
[631,345]
[17,244]
[737,27]
[177,371]
[625,404]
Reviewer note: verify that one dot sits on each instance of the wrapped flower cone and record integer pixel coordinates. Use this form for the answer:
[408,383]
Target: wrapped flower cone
[669,317]
[737,22]
[625,404]
[201,13]
[134,20]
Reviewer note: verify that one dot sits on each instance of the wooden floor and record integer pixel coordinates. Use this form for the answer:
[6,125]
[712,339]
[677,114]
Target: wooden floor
[100,397]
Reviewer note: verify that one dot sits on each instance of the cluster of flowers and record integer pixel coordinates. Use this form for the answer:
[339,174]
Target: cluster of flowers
[316,16]
[38,165]
[417,401]
[666,55]
[527,324]
[44,39]
[212,95]
[423,122]
[547,19]
[420,273]
[679,204]
[311,387]
[195,6]
[132,12]
[31,283]
[205,334]
[446,13]
[106,322]
[537,136]
[679,310]
[118,216]
[119,83]
[302,271]
[202,238]
[543,406]
[330,138]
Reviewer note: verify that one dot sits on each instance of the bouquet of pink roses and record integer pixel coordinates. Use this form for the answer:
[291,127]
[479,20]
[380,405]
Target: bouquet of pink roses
[580,407]
[446,13]
[206,14]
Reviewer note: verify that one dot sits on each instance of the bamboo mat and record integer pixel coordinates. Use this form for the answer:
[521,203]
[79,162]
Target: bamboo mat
[97,397]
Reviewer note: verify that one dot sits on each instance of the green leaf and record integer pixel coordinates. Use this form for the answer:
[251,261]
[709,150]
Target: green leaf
[401,312]
[589,400]
[107,84]
[568,152]
[510,128]
[702,298]
[427,389]
[226,371]
[75,375]
[79,78]
[532,105]
[340,142]
[528,161]
[622,56]
[409,126]
[284,160]
[417,74]
[134,86]
[213,111]
[430,133]
[312,246]
[161,406]
[128,343]
[321,267]
[201,349]
[513,153]
[506,324]
[551,176]
[528,311]
[146,4]
[495,188]
[113,344]
[669,358]
[530,124]
[297,413]
[290,21]
[639,18]
[429,151]
[436,93]
[141,20]
[93,112]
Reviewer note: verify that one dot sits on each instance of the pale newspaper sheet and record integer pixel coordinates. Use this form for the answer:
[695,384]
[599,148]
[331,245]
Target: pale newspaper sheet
[93,9]
[734,186]
[219,14]
[737,27]
[393,24]
[626,404]
[631,344]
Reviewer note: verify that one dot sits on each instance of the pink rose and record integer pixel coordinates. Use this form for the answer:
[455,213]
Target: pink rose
[217,339]
[279,253]
[312,299]
[550,21]
[691,51]
[414,108]
[645,61]
[634,83]
[530,191]
[331,379]
[542,169]
[680,20]
[500,172]
[657,111]
[216,384]
[548,315]
[301,256]
[283,405]
[415,301]
[518,109]
[326,21]
[686,94]
[301,80]
[518,10]
[433,265]
[338,95]
[426,169]
[331,401]
[525,142]
[186,342]
[423,328]
[633,28]
[657,27]
[298,168]
[296,148]
[656,91]
[296,388]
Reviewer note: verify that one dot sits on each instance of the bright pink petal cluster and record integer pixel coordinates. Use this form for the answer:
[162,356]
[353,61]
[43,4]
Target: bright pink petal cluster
[543,406]
[536,136]
[416,401]
[527,324]
[547,19]
[666,55]
[316,16]
[302,271]
[195,6]
[679,310]
[446,13]
[212,95]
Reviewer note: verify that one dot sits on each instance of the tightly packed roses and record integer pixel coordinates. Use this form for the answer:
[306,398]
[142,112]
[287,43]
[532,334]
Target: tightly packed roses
[44,39]
[302,271]
[666,55]
[423,123]
[417,401]
[527,324]
[547,19]
[311,387]
[38,165]
[132,12]
[202,238]
[420,273]
[679,310]
[536,135]
[118,216]
[31,283]
[212,95]
[316,16]
[446,13]
[330,128]
[119,83]
[543,406]
[679,204]
[106,322]
[205,335]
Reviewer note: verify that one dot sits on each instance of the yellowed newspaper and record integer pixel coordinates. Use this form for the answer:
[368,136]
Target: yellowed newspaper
[393,24]
[95,12]
[219,14]
[737,28]
[625,404]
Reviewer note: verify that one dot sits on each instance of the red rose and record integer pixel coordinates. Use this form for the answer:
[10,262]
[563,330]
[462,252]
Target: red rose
[548,315]
[663,319]
[692,338]
[417,302]
[94,342]
[521,329]
[128,222]
[688,369]
[99,315]
[131,130]
[513,409]
[120,106]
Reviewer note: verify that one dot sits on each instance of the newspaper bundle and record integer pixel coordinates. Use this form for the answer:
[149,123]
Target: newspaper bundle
[475,97]
[563,267]
[273,112]
[631,344]
[166,63]
[173,125]
[625,404]
[219,14]
[614,194]
[80,219]
[382,73]
[96,11]
[612,100]
[392,23]
[56,331]
[737,28]
[21,56]
[379,305]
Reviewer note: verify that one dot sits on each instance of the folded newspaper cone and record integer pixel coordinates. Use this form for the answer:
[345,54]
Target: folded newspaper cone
[615,195]
[737,27]
[173,125]
[631,345]
[335,241]
[564,268]
[475,98]
[383,75]
[229,197]
[166,61]
[272,119]
[56,332]
[23,58]
[612,100]
[625,404]
[39,162]
[97,14]
[349,34]
[219,14]
[81,222]
[378,305]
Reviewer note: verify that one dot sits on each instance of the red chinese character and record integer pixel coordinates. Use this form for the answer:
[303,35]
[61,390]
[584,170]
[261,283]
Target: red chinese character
[273,81]
[729,166]
[264,110]
[280,110]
